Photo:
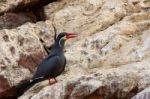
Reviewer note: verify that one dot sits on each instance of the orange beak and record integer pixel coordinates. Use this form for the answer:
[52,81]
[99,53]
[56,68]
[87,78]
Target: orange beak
[71,35]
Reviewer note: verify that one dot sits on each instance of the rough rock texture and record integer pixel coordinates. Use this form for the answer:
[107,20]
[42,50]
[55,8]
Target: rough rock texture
[12,20]
[17,12]
[109,60]
[4,84]
[145,94]
[122,82]
[21,50]
[17,5]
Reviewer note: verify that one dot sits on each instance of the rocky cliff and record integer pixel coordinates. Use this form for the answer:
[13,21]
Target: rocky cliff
[109,60]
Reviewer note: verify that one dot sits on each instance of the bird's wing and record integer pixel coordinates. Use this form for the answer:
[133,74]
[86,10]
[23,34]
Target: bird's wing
[49,56]
[49,67]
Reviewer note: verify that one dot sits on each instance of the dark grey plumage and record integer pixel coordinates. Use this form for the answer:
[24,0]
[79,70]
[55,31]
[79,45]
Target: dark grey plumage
[53,65]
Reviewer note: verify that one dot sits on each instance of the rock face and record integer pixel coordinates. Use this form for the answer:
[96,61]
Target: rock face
[143,94]
[109,60]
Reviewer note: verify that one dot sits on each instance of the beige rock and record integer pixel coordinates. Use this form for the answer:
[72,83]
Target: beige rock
[110,58]
[143,94]
[12,20]
[80,16]
[106,83]
[17,5]
[21,51]
[109,27]
[14,13]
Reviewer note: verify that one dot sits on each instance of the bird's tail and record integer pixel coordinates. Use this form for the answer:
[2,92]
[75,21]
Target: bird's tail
[26,85]
[16,91]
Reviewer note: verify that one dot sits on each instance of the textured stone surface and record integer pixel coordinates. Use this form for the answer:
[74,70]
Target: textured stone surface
[4,84]
[145,94]
[121,82]
[21,51]
[110,58]
[17,12]
[17,5]
[12,20]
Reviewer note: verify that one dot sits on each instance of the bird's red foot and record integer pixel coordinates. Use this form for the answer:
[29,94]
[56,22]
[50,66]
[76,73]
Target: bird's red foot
[52,81]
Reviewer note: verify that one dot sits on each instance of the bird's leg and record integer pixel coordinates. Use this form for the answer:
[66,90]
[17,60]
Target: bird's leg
[49,81]
[52,81]
[55,79]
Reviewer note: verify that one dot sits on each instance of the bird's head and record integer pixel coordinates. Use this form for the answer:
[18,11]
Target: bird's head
[66,36]
[63,36]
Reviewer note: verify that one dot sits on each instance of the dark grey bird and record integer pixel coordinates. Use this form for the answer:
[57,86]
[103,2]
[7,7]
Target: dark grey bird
[52,66]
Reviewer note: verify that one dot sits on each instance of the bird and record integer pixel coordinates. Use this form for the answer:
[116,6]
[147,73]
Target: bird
[51,67]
